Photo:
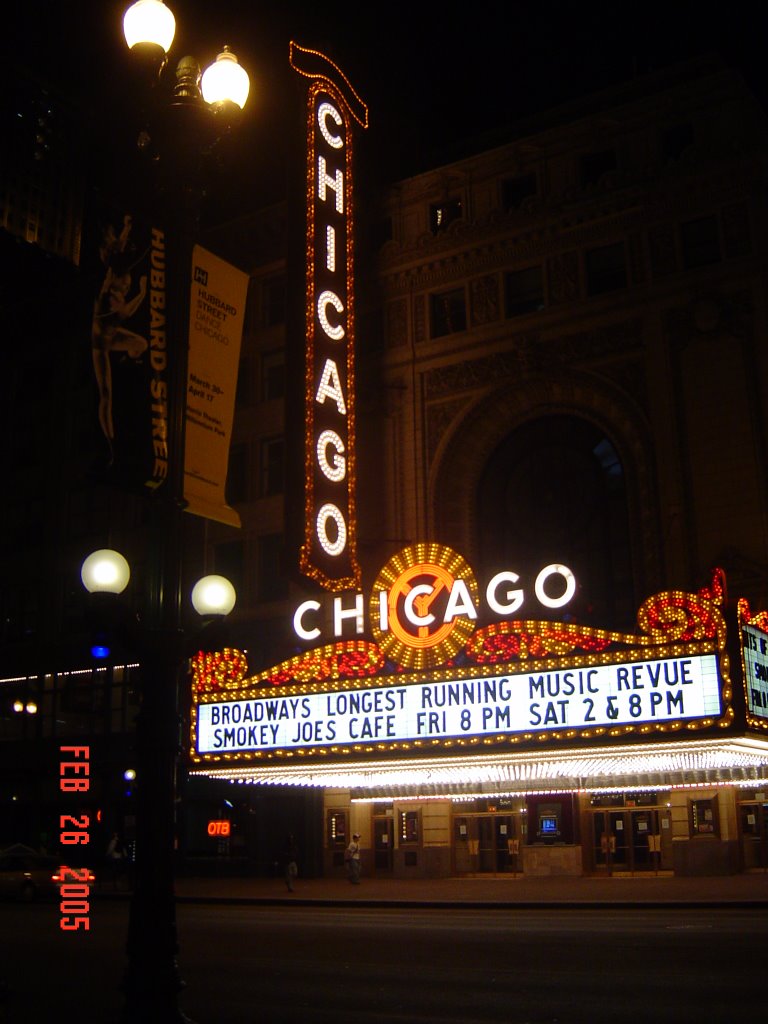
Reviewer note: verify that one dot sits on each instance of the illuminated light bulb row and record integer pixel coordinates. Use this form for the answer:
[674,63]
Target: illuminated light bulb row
[330,526]
[687,616]
[326,513]
[683,758]
[298,60]
[758,620]
[218,670]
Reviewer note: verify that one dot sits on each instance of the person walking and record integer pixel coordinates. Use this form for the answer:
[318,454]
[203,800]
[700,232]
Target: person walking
[291,858]
[116,857]
[352,858]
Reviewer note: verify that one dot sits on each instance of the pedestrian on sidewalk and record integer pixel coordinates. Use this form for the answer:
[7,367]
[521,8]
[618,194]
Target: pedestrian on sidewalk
[352,857]
[291,861]
[116,858]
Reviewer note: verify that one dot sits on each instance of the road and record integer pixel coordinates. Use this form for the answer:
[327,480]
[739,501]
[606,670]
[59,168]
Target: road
[304,965]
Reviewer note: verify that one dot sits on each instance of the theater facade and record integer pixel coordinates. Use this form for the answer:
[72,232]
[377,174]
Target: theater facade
[523,745]
[558,383]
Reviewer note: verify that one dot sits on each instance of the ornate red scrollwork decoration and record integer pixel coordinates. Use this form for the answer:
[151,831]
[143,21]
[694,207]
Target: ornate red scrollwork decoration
[757,619]
[354,659]
[219,670]
[509,641]
[677,615]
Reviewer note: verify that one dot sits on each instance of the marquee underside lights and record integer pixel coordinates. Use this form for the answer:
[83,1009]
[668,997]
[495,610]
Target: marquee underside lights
[517,684]
[679,765]
[329,551]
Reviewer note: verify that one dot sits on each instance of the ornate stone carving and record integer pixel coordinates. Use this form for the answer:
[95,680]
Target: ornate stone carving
[484,300]
[563,277]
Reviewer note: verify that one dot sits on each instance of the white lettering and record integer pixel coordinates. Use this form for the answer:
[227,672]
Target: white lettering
[570,586]
[298,616]
[330,387]
[514,598]
[340,614]
[335,183]
[337,470]
[460,603]
[324,300]
[324,111]
[331,513]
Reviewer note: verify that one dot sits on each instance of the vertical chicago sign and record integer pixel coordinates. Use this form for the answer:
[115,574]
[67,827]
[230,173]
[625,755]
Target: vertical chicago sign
[329,550]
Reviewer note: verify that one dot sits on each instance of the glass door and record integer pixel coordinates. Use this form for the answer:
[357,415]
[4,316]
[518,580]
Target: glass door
[627,841]
[486,844]
[610,841]
[754,836]
[383,844]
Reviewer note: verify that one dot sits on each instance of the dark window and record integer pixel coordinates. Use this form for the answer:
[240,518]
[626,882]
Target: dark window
[605,269]
[700,242]
[228,560]
[381,232]
[272,581]
[272,375]
[523,291]
[448,312]
[555,491]
[244,392]
[593,166]
[443,214]
[272,466]
[237,474]
[515,190]
[675,140]
[273,301]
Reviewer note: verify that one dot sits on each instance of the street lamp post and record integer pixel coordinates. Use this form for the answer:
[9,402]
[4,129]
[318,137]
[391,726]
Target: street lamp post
[152,981]
[183,124]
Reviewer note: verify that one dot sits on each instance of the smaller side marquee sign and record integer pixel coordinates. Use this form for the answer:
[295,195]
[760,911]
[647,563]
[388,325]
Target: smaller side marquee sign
[512,683]
[754,662]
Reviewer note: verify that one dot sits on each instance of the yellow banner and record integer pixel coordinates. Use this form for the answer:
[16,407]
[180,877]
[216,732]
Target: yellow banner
[217,306]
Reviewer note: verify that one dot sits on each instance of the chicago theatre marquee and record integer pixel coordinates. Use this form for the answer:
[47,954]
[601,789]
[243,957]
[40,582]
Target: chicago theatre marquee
[527,744]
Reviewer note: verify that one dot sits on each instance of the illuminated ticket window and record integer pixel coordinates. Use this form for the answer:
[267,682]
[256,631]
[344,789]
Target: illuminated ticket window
[703,817]
[337,830]
[409,827]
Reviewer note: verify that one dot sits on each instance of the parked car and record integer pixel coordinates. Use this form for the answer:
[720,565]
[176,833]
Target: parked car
[28,875]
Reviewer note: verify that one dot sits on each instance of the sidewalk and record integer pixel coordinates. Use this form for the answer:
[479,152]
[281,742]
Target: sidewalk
[750,890]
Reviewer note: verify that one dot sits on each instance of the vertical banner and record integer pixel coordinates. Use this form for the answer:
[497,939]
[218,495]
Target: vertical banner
[130,351]
[329,550]
[216,308]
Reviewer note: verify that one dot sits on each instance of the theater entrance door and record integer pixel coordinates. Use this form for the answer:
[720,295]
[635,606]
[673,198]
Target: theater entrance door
[486,843]
[628,841]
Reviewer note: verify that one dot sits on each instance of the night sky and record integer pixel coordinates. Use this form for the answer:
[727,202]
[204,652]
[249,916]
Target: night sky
[430,75]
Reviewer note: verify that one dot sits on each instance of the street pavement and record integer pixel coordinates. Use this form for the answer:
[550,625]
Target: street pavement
[506,891]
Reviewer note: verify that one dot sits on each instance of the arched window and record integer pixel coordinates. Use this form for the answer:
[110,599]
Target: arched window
[554,491]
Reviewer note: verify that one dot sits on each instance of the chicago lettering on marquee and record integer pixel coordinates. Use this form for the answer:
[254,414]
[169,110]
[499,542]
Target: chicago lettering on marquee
[430,680]
[425,603]
[329,550]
